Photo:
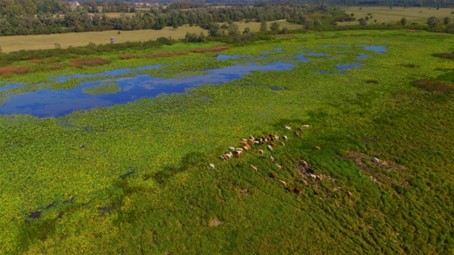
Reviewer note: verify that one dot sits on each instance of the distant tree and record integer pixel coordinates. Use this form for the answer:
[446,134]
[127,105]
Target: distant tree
[403,21]
[191,37]
[263,26]
[309,24]
[202,37]
[214,30]
[362,21]
[224,28]
[233,30]
[274,26]
[247,30]
[432,22]
[284,30]
[447,20]
[91,6]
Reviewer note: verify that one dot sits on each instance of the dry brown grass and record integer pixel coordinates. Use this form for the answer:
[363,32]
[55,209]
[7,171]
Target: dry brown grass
[10,70]
[429,85]
[81,62]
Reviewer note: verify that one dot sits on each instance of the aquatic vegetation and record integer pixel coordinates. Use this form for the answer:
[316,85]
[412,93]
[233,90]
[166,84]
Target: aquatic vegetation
[49,102]
[108,87]
[140,82]
[362,166]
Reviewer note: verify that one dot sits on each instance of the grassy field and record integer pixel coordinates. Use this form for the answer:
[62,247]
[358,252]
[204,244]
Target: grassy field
[387,15]
[38,42]
[136,179]
[35,42]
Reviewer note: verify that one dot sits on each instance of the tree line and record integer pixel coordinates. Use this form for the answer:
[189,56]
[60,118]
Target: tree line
[23,17]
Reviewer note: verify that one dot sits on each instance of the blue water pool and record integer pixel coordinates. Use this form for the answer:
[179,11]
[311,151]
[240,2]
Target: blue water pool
[48,102]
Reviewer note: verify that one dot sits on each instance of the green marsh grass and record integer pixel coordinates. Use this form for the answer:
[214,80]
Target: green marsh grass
[103,88]
[135,178]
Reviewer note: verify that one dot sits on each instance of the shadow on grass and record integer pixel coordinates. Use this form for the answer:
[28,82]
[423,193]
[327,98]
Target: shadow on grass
[444,55]
[433,85]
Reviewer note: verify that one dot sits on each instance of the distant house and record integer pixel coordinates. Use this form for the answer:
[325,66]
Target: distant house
[74,4]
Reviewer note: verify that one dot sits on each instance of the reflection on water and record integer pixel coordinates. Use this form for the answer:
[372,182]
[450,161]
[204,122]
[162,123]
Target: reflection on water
[11,86]
[47,102]
[227,57]
[115,72]
[376,48]
[342,67]
[54,102]
[362,56]
[302,58]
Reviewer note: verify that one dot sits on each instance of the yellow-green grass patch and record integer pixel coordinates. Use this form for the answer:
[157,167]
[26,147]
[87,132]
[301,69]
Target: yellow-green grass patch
[384,14]
[39,42]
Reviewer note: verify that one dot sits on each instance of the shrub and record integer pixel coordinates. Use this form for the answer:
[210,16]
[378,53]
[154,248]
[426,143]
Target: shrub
[263,26]
[403,21]
[274,27]
[432,22]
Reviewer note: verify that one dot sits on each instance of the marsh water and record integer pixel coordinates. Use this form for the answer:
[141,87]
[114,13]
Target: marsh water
[46,102]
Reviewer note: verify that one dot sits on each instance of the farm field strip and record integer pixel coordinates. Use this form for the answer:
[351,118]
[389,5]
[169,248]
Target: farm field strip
[388,15]
[65,40]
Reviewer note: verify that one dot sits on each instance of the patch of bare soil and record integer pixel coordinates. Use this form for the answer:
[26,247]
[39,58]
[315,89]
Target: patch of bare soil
[379,171]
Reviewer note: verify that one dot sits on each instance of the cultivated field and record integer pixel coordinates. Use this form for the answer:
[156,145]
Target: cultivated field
[38,42]
[387,15]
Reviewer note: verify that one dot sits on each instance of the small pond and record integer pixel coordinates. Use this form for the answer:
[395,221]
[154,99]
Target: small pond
[343,67]
[376,48]
[222,57]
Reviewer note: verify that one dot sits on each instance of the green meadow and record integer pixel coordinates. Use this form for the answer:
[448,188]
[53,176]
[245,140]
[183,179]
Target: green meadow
[367,167]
